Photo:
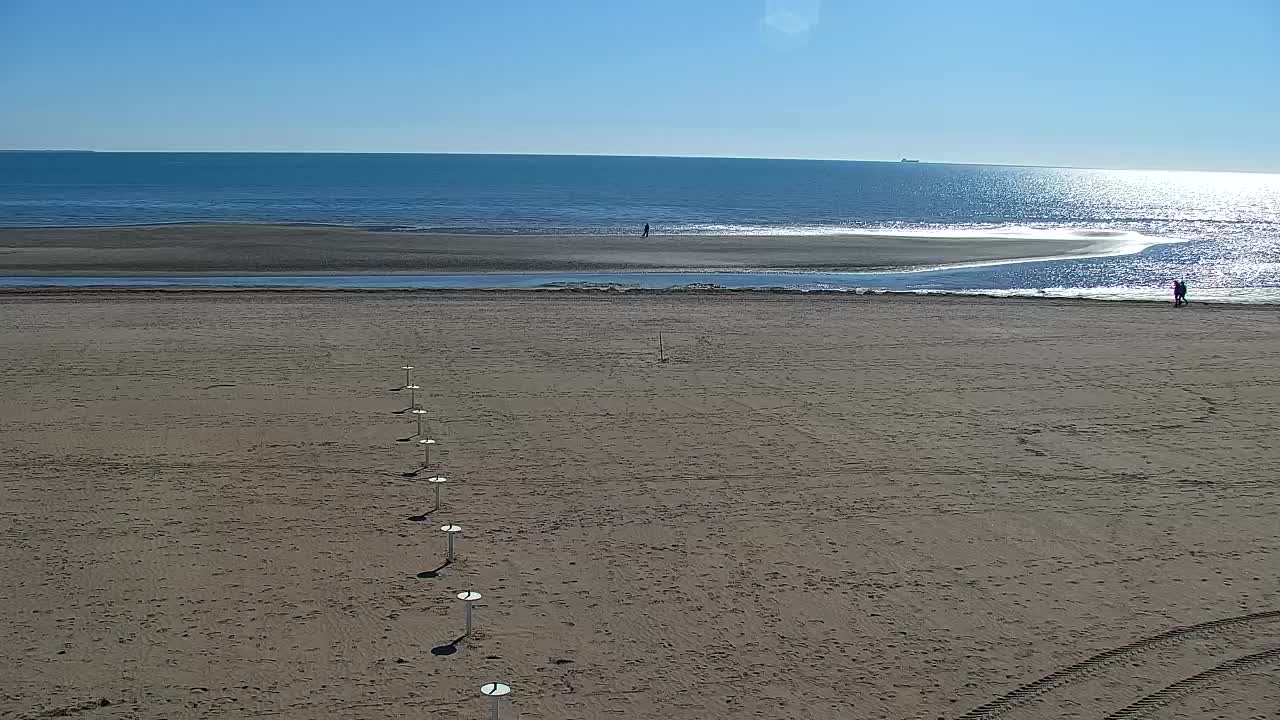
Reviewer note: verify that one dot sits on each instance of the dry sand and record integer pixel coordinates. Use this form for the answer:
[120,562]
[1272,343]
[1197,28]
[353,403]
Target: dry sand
[821,507]
[318,248]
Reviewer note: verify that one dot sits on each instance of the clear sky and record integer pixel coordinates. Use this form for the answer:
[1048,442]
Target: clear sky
[1103,83]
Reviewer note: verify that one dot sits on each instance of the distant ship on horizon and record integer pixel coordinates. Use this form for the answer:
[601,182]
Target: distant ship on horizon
[909,160]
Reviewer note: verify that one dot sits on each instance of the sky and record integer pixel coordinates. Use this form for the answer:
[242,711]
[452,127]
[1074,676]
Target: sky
[1165,84]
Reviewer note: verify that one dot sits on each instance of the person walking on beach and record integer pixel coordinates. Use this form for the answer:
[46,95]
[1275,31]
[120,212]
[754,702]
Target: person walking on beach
[646,230]
[1179,293]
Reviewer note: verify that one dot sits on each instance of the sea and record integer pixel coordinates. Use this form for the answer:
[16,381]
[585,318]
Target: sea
[1220,232]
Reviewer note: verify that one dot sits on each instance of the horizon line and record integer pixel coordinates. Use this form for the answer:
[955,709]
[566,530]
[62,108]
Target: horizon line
[903,160]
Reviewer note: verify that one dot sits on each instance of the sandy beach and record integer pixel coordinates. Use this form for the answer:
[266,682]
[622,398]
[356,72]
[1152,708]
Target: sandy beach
[317,248]
[819,507]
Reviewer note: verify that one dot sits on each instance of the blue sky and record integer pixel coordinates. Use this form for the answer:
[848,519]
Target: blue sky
[1120,83]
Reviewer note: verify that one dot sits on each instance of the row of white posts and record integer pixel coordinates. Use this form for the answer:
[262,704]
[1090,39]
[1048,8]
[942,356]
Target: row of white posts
[494,690]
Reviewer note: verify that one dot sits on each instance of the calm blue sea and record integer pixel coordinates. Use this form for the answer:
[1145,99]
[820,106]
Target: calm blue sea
[1219,231]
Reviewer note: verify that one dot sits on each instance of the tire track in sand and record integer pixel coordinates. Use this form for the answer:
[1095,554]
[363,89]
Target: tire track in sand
[1083,669]
[1192,684]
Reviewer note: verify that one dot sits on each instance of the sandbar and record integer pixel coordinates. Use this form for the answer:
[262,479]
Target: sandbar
[250,248]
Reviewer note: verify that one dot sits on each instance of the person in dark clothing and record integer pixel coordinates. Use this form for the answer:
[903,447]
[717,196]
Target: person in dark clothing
[646,230]
[1179,293]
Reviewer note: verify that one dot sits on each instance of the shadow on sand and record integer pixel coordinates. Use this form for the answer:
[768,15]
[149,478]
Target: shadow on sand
[428,574]
[449,649]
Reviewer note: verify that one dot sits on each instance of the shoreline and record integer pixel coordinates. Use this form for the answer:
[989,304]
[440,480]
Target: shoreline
[111,292]
[292,248]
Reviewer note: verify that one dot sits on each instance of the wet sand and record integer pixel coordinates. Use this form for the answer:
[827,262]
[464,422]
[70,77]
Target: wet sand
[173,249]
[820,507]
